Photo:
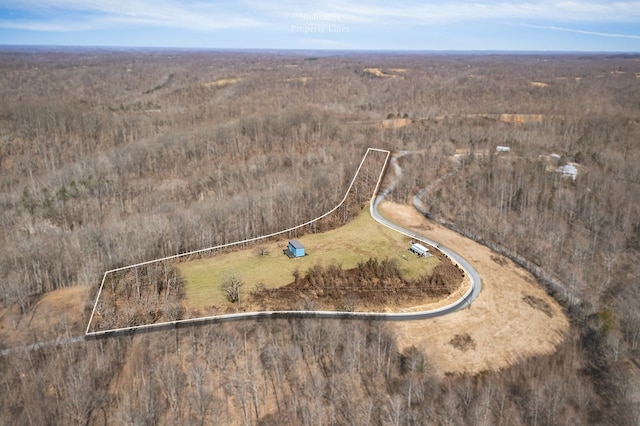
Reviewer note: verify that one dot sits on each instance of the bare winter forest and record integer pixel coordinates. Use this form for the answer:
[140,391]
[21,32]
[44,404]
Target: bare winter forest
[113,157]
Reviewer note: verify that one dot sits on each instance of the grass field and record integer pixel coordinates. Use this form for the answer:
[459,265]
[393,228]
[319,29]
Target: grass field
[357,241]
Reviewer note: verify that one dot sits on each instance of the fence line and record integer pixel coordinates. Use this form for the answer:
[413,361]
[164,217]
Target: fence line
[248,240]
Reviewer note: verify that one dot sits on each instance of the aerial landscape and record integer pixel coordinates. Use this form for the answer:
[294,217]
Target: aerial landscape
[293,223]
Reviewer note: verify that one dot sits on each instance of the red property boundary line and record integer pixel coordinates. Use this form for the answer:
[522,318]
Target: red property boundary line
[249,240]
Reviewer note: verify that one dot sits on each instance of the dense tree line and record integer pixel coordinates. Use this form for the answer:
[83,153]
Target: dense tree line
[145,294]
[110,158]
[580,233]
[161,191]
[298,371]
[152,292]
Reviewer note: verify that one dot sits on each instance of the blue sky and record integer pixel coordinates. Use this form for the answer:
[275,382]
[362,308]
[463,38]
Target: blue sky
[518,25]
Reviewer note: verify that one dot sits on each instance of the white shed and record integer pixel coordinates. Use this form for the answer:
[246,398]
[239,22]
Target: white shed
[419,249]
[568,170]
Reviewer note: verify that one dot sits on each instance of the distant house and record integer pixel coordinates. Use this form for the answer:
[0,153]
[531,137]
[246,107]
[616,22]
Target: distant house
[295,248]
[419,249]
[568,170]
[503,149]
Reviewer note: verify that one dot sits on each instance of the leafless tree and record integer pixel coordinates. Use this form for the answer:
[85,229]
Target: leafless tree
[231,287]
[113,158]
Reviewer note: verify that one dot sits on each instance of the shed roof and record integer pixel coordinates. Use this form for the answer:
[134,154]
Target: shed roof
[296,244]
[569,170]
[419,247]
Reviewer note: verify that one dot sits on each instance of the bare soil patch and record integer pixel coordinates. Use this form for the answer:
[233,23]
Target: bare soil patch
[56,313]
[521,118]
[395,123]
[504,327]
[377,72]
[302,79]
[539,84]
[222,82]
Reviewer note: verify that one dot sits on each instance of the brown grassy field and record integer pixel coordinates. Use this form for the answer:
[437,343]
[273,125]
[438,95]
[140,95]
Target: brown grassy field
[503,326]
[55,315]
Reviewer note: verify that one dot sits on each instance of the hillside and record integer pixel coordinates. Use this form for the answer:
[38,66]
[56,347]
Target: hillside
[110,158]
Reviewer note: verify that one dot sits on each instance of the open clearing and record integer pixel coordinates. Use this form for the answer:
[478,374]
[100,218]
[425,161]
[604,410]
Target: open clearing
[222,82]
[380,73]
[521,118]
[55,314]
[502,326]
[358,241]
[539,84]
[395,123]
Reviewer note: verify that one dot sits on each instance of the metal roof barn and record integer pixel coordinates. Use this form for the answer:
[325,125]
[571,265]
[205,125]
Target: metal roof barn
[296,249]
[419,249]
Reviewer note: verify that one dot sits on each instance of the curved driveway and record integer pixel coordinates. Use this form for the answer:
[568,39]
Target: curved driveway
[464,301]
[476,282]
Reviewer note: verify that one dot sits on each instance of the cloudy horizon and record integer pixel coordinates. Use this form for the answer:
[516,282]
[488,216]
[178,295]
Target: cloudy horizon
[345,25]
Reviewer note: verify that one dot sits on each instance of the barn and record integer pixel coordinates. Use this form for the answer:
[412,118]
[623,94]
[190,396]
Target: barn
[295,248]
[419,249]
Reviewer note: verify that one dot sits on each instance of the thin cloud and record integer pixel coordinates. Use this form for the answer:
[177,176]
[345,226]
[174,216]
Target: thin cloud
[594,33]
[53,15]
[211,15]
[358,11]
[48,26]
[237,21]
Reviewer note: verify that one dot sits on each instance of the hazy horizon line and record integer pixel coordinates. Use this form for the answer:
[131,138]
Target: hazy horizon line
[44,47]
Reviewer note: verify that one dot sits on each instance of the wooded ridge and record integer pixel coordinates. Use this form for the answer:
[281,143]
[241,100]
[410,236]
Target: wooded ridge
[110,158]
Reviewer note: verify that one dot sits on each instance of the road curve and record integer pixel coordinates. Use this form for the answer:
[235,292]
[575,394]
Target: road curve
[469,296]
[476,282]
[464,301]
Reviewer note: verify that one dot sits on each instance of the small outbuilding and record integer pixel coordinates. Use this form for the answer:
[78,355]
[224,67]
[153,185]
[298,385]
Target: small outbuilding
[568,170]
[419,249]
[295,248]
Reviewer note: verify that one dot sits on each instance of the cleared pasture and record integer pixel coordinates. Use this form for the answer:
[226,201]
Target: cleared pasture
[358,241]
